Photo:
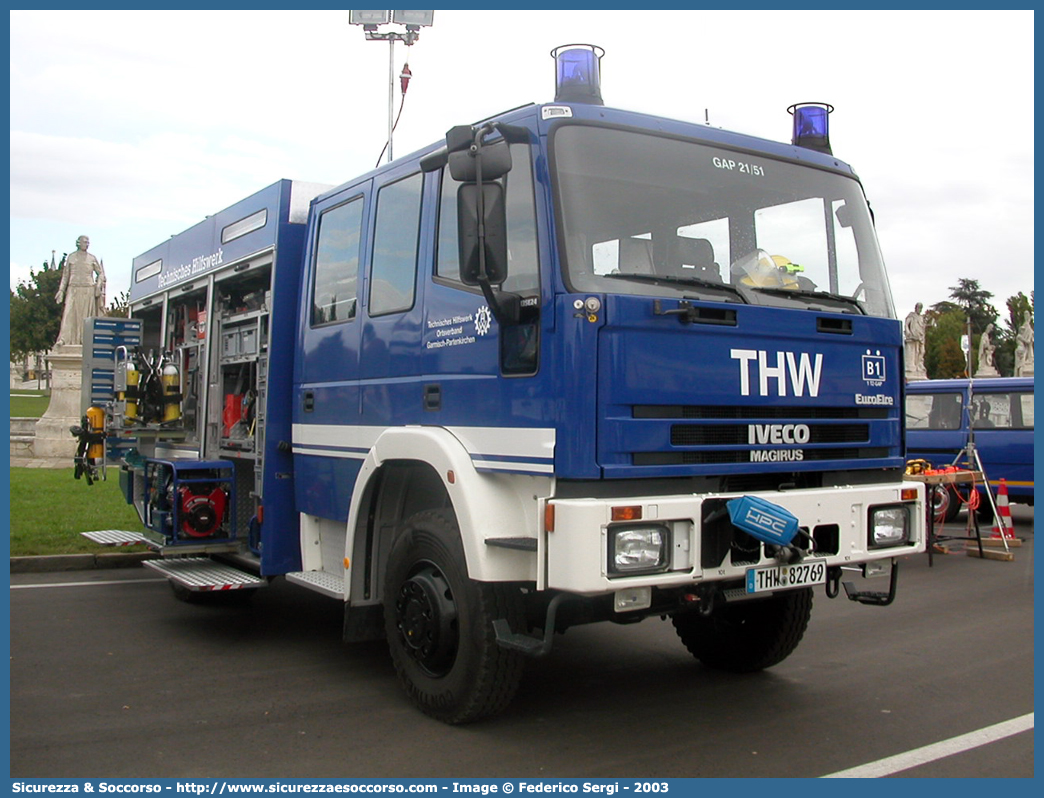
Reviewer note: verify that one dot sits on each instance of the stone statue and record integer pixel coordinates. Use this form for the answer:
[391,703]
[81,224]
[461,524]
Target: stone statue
[1024,348]
[914,333]
[83,295]
[986,367]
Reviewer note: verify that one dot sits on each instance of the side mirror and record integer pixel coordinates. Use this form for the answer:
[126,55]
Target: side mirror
[496,162]
[495,223]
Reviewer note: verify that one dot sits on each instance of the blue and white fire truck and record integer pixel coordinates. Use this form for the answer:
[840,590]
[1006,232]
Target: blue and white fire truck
[569,364]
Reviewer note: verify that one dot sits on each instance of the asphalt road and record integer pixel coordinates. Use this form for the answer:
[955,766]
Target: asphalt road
[116,678]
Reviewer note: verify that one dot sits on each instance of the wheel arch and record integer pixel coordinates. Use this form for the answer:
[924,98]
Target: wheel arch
[412,469]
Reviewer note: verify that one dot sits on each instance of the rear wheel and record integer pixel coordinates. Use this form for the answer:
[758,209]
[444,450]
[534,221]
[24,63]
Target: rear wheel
[945,503]
[747,636]
[439,625]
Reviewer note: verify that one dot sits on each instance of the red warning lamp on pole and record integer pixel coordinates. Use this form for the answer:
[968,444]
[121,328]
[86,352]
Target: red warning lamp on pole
[414,21]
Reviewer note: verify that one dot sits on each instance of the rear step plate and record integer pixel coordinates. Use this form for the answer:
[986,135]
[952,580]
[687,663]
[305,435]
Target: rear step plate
[114,537]
[203,573]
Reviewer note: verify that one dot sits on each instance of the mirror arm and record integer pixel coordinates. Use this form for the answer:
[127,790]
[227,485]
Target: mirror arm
[476,153]
[504,305]
[505,312]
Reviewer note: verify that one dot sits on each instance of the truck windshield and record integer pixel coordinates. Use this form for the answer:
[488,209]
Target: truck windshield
[650,215]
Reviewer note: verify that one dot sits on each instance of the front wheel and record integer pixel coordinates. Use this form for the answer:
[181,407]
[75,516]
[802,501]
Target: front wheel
[747,636]
[439,625]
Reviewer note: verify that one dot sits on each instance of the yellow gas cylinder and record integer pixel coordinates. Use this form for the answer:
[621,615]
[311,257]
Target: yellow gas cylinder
[170,379]
[96,428]
[130,412]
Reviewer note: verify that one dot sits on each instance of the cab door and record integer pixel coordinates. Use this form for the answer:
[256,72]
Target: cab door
[327,439]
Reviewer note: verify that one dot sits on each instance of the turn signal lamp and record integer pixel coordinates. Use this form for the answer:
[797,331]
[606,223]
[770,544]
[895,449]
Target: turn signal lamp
[577,77]
[812,126]
[628,513]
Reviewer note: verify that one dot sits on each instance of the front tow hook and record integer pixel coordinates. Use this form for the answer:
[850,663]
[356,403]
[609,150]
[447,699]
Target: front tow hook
[876,598]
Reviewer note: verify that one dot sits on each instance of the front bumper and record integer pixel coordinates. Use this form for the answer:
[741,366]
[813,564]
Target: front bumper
[705,547]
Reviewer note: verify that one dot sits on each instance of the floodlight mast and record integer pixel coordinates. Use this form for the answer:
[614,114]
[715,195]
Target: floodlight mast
[414,21]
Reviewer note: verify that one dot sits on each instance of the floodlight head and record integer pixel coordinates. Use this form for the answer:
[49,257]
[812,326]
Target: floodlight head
[419,19]
[368,17]
[577,76]
[812,126]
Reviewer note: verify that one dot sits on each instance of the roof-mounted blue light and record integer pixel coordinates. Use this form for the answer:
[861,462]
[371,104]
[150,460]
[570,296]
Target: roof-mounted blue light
[577,78]
[812,126]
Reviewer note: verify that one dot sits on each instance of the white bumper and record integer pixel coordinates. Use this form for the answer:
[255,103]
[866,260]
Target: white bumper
[577,549]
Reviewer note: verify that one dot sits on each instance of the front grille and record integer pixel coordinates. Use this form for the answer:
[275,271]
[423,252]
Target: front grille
[744,456]
[811,433]
[756,413]
[739,434]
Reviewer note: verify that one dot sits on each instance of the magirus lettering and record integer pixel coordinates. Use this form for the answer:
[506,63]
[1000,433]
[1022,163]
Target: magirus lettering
[777,455]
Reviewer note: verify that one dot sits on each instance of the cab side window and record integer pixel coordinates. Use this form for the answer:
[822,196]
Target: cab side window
[337,264]
[394,270]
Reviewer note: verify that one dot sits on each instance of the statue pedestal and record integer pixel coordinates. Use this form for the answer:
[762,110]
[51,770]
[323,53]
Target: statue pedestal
[986,371]
[912,375]
[53,438]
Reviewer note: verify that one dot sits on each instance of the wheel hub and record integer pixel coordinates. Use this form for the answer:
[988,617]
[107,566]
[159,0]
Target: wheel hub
[426,616]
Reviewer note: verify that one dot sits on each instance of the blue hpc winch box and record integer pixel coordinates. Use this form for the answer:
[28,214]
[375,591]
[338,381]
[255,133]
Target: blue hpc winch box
[763,519]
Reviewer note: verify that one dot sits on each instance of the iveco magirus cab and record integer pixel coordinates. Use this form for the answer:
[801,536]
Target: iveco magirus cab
[570,364]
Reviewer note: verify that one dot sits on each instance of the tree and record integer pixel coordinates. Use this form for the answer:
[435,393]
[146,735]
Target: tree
[35,315]
[948,321]
[943,357]
[1018,306]
[975,302]
[120,306]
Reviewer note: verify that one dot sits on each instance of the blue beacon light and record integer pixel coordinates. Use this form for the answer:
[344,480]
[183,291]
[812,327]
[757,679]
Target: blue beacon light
[812,126]
[577,78]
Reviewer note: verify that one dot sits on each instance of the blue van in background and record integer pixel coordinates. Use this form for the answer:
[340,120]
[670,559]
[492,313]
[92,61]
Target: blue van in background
[940,414]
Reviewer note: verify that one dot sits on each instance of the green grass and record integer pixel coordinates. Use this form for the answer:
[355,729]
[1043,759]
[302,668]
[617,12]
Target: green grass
[29,404]
[49,510]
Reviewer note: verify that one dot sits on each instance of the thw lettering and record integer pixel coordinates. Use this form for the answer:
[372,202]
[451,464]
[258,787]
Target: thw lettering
[778,370]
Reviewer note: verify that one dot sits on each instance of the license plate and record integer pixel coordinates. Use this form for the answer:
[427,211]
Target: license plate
[783,577]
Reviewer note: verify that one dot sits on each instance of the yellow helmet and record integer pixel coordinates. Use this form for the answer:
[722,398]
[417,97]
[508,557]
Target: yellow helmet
[769,271]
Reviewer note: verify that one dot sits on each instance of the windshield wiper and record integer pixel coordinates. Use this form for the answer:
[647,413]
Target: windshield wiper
[848,300]
[667,280]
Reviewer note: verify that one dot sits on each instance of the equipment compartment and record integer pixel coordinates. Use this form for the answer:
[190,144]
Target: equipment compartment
[190,502]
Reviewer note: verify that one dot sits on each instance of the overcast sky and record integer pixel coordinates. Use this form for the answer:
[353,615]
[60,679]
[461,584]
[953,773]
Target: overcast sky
[130,126]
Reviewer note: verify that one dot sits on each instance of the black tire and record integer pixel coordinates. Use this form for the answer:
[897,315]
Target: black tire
[747,636]
[945,504]
[984,510]
[439,625]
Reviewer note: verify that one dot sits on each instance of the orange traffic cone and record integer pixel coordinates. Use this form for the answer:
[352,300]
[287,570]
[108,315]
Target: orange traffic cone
[1005,528]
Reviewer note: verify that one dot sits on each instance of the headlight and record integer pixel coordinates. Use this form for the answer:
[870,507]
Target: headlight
[889,526]
[638,549]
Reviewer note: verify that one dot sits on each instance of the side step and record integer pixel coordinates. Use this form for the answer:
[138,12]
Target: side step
[319,581]
[203,573]
[114,537]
